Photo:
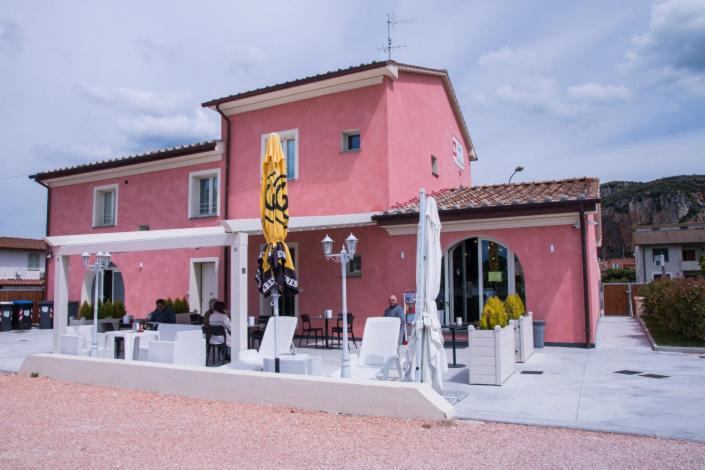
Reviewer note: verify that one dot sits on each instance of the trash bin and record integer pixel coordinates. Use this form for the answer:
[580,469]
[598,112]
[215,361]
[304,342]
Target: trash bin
[5,316]
[22,314]
[73,311]
[46,315]
[539,328]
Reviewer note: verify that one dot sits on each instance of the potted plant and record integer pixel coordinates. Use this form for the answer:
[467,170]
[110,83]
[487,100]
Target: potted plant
[492,357]
[523,327]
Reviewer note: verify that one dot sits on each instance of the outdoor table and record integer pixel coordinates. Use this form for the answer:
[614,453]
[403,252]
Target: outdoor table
[325,329]
[251,330]
[129,338]
[452,327]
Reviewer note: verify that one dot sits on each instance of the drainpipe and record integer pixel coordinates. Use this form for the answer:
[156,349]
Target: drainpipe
[48,226]
[226,250]
[586,295]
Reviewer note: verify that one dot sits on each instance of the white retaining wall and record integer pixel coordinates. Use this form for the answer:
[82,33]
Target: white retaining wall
[333,395]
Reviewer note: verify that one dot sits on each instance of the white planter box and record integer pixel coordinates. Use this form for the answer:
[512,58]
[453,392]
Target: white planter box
[492,357]
[298,364]
[524,337]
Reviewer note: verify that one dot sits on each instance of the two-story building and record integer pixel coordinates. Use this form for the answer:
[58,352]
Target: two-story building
[359,144]
[22,258]
[671,250]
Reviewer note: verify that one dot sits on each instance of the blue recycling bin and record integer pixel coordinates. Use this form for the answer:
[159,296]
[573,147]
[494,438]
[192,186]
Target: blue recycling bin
[46,315]
[5,316]
[22,314]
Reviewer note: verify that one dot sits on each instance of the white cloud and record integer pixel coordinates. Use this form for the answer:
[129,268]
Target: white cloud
[11,37]
[134,100]
[507,56]
[599,93]
[170,130]
[539,95]
[243,60]
[672,51]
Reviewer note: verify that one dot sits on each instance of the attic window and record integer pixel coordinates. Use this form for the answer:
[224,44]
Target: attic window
[351,141]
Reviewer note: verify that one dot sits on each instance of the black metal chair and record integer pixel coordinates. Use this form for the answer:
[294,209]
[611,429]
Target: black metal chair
[212,349]
[307,329]
[338,328]
[196,319]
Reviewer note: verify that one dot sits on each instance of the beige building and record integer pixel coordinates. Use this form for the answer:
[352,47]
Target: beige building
[668,250]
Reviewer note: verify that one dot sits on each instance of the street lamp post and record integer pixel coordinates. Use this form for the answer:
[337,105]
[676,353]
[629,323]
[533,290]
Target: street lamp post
[102,261]
[346,254]
[516,170]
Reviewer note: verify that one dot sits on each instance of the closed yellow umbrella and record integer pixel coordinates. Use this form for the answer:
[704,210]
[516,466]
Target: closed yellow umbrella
[275,272]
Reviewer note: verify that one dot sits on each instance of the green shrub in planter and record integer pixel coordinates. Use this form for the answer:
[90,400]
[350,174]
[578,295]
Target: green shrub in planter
[118,309]
[86,311]
[493,314]
[677,305]
[514,307]
[105,310]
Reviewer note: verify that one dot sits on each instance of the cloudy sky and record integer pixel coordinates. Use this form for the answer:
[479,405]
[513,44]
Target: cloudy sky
[611,89]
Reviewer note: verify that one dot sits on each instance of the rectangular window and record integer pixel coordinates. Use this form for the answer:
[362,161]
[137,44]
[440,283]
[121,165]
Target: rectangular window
[33,261]
[458,154]
[105,206]
[660,251]
[204,193]
[688,254]
[434,166]
[354,267]
[351,141]
[290,148]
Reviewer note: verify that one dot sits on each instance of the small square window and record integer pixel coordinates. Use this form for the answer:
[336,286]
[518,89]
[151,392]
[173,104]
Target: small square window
[33,261]
[351,141]
[354,267]
[204,193]
[105,206]
[434,166]
[458,154]
[688,254]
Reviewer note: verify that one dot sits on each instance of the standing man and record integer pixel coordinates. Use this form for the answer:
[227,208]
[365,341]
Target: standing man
[162,314]
[396,310]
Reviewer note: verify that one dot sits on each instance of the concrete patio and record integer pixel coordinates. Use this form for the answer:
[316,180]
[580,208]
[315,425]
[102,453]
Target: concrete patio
[577,388]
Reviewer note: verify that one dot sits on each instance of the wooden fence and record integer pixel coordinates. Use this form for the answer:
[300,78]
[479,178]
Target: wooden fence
[618,296]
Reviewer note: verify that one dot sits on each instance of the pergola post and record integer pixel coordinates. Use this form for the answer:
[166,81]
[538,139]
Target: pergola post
[238,292]
[61,299]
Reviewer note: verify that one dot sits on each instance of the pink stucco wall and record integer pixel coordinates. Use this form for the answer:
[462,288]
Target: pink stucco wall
[421,124]
[553,280]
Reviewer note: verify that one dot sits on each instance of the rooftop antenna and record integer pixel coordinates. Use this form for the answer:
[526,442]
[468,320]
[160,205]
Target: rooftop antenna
[391,25]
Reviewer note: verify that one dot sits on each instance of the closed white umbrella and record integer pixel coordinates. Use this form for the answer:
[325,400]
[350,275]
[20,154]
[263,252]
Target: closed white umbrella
[426,354]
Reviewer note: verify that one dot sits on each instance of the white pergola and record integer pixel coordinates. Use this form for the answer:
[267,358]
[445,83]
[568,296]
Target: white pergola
[233,233]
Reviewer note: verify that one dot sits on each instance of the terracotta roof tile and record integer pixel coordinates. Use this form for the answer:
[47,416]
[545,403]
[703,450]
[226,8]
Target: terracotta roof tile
[515,194]
[160,154]
[21,282]
[10,243]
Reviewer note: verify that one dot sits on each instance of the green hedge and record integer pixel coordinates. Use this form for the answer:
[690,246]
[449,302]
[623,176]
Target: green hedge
[678,305]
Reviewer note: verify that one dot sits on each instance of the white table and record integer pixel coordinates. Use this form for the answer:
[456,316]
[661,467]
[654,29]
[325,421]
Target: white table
[129,337]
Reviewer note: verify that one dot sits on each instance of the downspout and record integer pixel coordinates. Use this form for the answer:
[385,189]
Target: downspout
[226,249]
[586,295]
[48,226]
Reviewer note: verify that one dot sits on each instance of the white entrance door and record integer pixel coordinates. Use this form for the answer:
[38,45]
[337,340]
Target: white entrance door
[204,284]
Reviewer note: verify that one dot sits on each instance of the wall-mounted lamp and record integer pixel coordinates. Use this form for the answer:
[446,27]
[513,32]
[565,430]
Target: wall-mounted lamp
[552,248]
[141,265]
[401,255]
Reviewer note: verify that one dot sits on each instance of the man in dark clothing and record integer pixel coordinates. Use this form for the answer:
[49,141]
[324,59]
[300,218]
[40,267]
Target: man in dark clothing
[395,310]
[162,314]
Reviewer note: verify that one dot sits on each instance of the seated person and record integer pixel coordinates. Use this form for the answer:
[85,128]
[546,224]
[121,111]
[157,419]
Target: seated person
[219,318]
[162,314]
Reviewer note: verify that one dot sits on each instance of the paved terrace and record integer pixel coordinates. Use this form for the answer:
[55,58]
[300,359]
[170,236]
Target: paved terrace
[577,388]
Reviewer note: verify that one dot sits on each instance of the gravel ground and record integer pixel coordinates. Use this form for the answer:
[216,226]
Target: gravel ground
[46,423]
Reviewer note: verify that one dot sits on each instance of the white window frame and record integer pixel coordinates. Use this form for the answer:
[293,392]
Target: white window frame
[194,179]
[434,165]
[30,266]
[458,157]
[659,273]
[104,189]
[344,140]
[283,135]
[349,272]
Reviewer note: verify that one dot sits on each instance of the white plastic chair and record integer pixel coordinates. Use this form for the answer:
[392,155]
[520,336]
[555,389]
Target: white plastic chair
[252,359]
[78,341]
[188,348]
[379,350]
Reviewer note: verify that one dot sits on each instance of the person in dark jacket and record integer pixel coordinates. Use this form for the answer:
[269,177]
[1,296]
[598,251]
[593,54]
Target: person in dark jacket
[162,314]
[396,310]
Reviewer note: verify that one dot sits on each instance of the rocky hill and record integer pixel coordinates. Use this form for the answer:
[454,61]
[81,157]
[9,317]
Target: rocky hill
[672,200]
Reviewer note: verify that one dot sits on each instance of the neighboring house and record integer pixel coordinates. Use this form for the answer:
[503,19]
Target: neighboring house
[617,263]
[359,143]
[22,258]
[680,245]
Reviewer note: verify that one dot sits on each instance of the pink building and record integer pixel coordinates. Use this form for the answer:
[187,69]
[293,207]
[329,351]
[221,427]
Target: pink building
[360,142]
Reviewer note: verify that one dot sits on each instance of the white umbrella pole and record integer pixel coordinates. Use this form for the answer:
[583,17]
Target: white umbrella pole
[420,283]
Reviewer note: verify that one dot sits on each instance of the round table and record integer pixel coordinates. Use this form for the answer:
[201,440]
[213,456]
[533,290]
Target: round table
[453,327]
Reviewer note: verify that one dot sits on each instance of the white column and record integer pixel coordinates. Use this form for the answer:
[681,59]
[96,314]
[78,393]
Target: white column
[61,299]
[238,292]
